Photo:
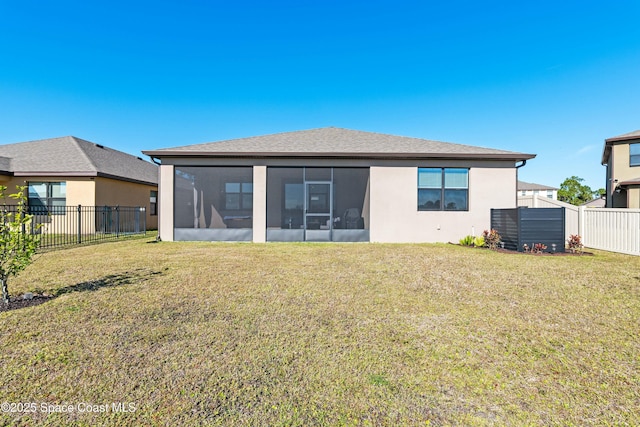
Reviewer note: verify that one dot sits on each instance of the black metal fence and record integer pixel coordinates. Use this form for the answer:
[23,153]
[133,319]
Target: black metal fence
[74,225]
[521,226]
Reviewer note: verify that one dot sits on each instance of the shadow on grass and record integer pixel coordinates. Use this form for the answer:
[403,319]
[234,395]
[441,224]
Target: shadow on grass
[125,278]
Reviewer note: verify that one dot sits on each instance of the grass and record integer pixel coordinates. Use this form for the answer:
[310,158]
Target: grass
[325,334]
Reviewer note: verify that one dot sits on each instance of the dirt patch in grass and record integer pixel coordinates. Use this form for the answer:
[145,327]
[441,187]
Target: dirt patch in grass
[20,302]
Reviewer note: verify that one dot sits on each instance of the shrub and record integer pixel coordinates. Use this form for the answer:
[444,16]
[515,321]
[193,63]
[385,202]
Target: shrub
[466,241]
[538,248]
[491,238]
[478,242]
[575,243]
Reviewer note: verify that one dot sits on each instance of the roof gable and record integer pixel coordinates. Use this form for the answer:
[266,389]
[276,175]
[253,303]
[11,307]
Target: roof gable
[335,142]
[71,156]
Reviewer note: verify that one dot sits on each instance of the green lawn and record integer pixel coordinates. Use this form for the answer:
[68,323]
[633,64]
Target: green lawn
[324,334]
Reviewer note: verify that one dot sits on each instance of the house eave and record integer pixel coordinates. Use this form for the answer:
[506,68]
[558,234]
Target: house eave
[610,142]
[82,175]
[333,155]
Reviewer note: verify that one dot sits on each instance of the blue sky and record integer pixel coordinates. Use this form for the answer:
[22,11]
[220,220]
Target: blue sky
[550,78]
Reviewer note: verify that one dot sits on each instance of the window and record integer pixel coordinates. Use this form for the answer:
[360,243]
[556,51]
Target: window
[523,193]
[634,154]
[238,195]
[443,189]
[550,194]
[47,197]
[153,203]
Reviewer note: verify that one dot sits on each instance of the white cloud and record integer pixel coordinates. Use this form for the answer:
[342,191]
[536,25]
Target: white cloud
[587,148]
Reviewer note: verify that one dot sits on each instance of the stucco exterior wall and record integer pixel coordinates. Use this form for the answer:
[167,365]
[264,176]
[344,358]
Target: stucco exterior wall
[394,205]
[165,203]
[621,171]
[259,204]
[539,193]
[80,190]
[111,192]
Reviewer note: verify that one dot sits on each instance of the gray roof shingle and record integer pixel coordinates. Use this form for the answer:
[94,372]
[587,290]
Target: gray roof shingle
[631,135]
[532,186]
[336,142]
[71,156]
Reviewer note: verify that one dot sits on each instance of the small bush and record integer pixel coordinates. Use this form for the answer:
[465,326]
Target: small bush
[467,241]
[575,243]
[491,238]
[478,242]
[538,248]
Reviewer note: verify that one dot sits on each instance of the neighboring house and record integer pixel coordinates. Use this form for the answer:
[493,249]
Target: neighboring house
[69,171]
[621,156]
[332,184]
[530,189]
[600,202]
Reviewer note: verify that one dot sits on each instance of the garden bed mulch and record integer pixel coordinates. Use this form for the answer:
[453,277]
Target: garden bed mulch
[20,302]
[509,251]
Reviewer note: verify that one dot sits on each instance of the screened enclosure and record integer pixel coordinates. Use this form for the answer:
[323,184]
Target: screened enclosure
[317,204]
[213,203]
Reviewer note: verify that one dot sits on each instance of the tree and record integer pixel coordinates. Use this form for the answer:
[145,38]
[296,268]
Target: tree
[572,191]
[18,242]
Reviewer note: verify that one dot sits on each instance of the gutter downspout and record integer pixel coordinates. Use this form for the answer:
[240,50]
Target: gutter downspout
[524,162]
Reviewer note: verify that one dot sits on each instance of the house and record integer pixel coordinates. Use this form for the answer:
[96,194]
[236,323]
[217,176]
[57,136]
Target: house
[600,202]
[530,189]
[621,156]
[332,184]
[70,171]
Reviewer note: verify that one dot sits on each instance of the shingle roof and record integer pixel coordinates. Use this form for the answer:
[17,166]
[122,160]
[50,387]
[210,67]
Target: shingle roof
[71,156]
[606,152]
[631,135]
[336,142]
[531,186]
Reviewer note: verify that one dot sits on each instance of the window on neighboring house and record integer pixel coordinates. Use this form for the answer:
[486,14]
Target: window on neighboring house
[47,197]
[550,194]
[443,189]
[238,195]
[153,203]
[634,154]
[523,193]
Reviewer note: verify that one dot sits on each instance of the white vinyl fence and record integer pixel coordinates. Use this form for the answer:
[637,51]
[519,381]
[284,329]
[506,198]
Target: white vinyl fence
[571,215]
[616,230]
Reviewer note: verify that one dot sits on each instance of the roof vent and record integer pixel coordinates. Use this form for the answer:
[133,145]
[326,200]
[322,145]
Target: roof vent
[99,146]
[140,158]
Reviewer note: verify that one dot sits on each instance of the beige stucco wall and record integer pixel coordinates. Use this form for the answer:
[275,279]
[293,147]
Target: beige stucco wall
[259,204]
[540,193]
[80,190]
[165,203]
[623,172]
[111,192]
[394,205]
[621,169]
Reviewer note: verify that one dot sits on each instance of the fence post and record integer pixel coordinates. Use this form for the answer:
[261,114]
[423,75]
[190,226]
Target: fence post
[117,221]
[79,224]
[581,226]
[144,220]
